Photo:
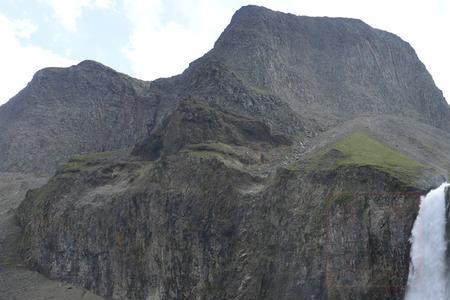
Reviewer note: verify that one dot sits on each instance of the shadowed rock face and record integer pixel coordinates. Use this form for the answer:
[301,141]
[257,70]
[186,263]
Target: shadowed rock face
[197,123]
[262,187]
[18,282]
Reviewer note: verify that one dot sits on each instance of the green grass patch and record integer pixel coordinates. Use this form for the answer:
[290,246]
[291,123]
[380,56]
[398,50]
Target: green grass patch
[79,162]
[215,147]
[93,156]
[359,149]
[243,154]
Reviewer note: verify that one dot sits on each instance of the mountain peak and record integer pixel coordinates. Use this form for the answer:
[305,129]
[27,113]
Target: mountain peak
[253,12]
[93,65]
[329,68]
[253,9]
[85,66]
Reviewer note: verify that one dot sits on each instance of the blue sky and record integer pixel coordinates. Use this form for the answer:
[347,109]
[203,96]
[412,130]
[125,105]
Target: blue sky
[149,39]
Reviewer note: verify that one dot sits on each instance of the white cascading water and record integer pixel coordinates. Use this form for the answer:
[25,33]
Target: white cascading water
[428,278]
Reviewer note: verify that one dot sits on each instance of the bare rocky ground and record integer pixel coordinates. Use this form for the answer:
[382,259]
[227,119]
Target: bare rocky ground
[16,281]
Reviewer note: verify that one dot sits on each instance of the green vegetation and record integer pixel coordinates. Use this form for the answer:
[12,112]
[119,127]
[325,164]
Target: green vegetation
[78,162]
[227,160]
[285,173]
[70,167]
[359,149]
[241,153]
[93,156]
[215,147]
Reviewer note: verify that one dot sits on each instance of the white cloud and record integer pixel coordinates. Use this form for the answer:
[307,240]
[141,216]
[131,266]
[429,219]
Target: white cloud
[161,45]
[19,62]
[24,28]
[67,12]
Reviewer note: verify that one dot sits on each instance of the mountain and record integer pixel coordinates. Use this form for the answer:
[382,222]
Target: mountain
[295,73]
[63,112]
[330,67]
[286,163]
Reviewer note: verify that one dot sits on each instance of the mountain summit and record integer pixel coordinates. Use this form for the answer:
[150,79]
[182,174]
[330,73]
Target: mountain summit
[330,67]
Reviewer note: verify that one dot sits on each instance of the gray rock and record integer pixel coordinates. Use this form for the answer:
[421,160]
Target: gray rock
[16,281]
[239,193]
[199,225]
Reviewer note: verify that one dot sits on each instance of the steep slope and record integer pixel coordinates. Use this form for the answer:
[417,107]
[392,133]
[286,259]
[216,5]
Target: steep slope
[67,111]
[330,67]
[197,222]
[16,281]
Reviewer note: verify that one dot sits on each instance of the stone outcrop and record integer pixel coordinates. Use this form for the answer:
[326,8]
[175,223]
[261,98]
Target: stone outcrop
[199,123]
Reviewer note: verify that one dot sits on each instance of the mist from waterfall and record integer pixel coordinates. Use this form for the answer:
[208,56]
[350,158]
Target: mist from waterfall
[428,278]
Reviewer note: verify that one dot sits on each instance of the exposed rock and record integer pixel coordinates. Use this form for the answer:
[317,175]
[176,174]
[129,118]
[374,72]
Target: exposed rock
[17,282]
[295,173]
[293,73]
[330,68]
[198,123]
[188,227]
[67,111]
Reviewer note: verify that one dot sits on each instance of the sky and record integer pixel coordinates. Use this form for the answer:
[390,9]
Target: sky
[149,39]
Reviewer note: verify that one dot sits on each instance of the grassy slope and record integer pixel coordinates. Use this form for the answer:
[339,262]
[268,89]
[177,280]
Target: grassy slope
[360,149]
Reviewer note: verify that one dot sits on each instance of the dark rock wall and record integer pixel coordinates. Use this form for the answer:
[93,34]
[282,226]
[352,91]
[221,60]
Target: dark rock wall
[198,226]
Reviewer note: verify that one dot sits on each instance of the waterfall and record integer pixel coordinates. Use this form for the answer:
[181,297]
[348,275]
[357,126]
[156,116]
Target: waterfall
[428,278]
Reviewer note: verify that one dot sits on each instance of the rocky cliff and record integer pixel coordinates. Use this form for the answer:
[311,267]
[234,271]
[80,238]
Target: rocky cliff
[201,222]
[285,163]
[330,68]
[82,109]
[17,281]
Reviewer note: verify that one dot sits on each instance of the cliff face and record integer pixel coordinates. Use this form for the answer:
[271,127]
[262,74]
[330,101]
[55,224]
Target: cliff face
[329,68]
[285,163]
[17,282]
[199,223]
